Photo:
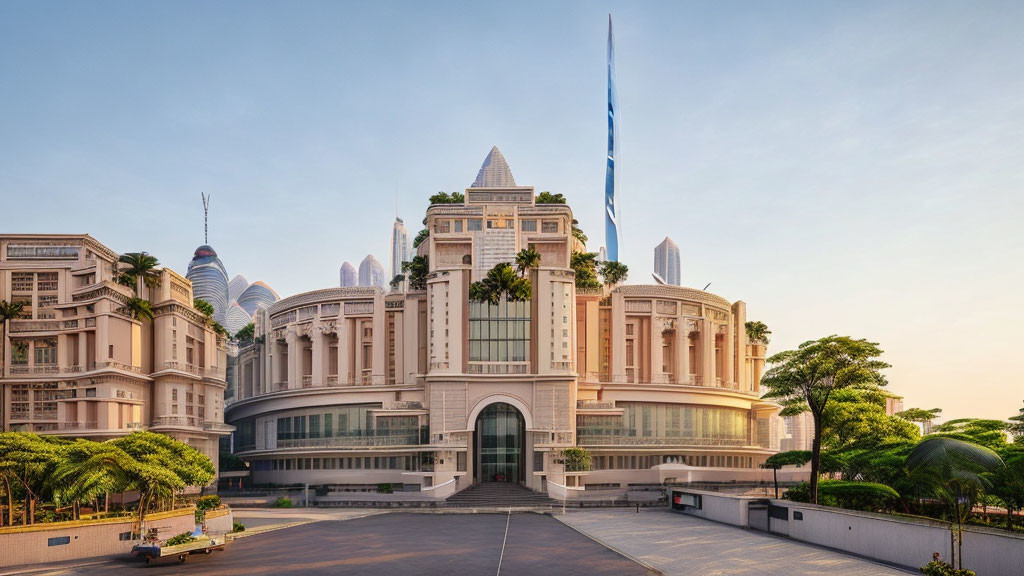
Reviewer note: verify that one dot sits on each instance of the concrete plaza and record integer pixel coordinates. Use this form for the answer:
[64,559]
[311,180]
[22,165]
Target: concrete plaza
[680,545]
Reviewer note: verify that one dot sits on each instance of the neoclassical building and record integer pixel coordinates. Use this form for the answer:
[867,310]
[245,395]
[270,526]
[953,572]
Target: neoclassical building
[353,386]
[77,364]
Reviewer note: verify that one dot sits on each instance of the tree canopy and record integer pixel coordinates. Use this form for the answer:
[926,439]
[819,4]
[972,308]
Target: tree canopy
[501,283]
[757,332]
[446,198]
[584,265]
[204,307]
[613,272]
[247,333]
[420,237]
[415,271]
[549,198]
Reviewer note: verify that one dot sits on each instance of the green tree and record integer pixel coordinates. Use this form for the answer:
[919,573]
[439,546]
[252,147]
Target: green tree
[85,469]
[613,272]
[8,311]
[501,282]
[420,237]
[546,197]
[790,458]
[445,198]
[525,259]
[397,281]
[806,378]
[919,414]
[856,417]
[1007,482]
[584,264]
[988,433]
[576,459]
[416,271]
[139,309]
[141,270]
[953,472]
[204,307]
[577,232]
[758,332]
[247,333]
[24,460]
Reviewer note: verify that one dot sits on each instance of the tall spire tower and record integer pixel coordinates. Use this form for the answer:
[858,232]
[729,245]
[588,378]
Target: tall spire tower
[611,205]
[206,215]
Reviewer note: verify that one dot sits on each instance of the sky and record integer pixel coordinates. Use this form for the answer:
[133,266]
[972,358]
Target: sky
[843,168]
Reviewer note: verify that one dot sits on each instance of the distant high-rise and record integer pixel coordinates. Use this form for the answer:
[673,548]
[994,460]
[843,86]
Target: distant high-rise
[237,285]
[256,295]
[611,206]
[371,272]
[349,277]
[400,251]
[666,261]
[209,280]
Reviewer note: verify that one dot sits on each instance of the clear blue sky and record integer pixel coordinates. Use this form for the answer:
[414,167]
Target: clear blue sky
[850,168]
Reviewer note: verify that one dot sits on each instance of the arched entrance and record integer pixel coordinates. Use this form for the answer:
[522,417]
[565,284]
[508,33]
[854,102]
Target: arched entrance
[499,445]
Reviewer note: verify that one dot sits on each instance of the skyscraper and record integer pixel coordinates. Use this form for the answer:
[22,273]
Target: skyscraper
[400,251]
[611,207]
[209,280]
[666,261]
[371,272]
[348,274]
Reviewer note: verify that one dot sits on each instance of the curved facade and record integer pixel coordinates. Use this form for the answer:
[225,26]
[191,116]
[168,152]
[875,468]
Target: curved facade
[236,286]
[209,280]
[356,387]
[348,274]
[236,318]
[256,295]
[371,272]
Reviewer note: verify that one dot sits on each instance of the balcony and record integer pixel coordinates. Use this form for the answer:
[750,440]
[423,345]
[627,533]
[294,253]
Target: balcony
[91,425]
[352,441]
[20,369]
[307,381]
[179,421]
[498,368]
[34,326]
[182,366]
[218,427]
[595,405]
[620,440]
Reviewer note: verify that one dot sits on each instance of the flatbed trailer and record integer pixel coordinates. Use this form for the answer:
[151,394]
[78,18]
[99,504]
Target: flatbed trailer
[203,544]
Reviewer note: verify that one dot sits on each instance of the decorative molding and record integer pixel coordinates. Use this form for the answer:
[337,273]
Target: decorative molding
[678,292]
[321,296]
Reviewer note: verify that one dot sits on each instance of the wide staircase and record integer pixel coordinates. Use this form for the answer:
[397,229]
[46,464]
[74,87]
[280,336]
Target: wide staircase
[499,495]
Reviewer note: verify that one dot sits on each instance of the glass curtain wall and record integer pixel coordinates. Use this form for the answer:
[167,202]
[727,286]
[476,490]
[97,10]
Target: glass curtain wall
[499,441]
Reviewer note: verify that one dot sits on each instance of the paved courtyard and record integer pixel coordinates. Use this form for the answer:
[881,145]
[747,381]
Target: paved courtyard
[681,545]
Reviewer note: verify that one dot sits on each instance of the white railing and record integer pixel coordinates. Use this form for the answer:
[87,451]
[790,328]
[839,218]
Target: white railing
[563,492]
[442,490]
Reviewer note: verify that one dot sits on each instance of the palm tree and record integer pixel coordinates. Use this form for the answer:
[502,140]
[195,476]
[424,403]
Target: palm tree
[142,268]
[8,311]
[416,271]
[954,472]
[577,232]
[138,308]
[758,332]
[613,272]
[501,282]
[584,265]
[525,259]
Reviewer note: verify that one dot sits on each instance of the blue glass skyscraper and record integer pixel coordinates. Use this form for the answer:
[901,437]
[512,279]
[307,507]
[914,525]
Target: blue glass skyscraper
[611,207]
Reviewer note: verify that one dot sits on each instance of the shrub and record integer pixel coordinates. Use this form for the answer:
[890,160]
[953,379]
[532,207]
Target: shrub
[385,488]
[183,538]
[865,496]
[238,527]
[210,502]
[940,568]
[576,459]
[282,502]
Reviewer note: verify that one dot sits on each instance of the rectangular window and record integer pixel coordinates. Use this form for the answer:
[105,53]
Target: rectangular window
[58,541]
[458,225]
[474,224]
[528,225]
[549,226]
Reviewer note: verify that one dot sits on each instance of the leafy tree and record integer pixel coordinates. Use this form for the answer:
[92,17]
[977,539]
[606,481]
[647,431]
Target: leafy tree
[988,433]
[549,198]
[857,418]
[8,311]
[397,281]
[1008,481]
[806,378]
[85,469]
[204,307]
[919,414]
[139,309]
[420,237]
[790,458]
[501,283]
[613,272]
[864,496]
[24,460]
[576,459]
[577,232]
[247,332]
[445,198]
[141,270]
[954,472]
[416,271]
[584,264]
[525,259]
[758,332]
[220,330]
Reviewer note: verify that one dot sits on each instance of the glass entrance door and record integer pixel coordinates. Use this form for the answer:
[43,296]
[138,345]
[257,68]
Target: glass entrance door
[499,444]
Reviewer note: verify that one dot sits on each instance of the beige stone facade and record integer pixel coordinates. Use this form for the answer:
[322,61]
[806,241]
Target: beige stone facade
[355,386]
[77,364]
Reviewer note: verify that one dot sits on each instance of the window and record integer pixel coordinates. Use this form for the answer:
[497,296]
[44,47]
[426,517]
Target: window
[499,333]
[474,224]
[46,351]
[442,226]
[46,281]
[174,394]
[21,282]
[528,225]
[458,225]
[549,226]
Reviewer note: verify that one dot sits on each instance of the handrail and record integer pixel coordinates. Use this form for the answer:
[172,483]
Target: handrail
[429,488]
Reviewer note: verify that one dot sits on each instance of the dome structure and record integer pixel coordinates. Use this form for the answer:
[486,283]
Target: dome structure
[257,294]
[209,280]
[494,173]
[236,318]
[237,285]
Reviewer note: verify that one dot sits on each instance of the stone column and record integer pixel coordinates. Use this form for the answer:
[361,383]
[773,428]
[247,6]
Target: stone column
[682,364]
[739,314]
[294,360]
[317,336]
[657,354]
[727,352]
[707,339]
[344,344]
